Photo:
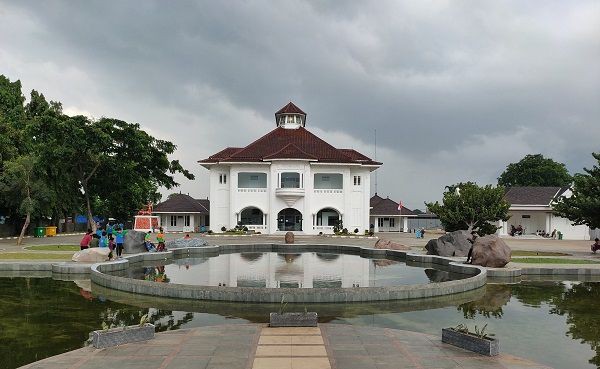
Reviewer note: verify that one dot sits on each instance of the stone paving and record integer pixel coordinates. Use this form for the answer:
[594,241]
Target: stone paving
[255,346]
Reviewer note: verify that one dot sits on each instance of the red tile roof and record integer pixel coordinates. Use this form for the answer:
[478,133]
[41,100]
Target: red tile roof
[381,206]
[290,108]
[282,143]
[181,203]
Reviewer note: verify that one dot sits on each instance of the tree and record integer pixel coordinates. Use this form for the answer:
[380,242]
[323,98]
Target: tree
[23,187]
[535,170]
[467,206]
[583,207]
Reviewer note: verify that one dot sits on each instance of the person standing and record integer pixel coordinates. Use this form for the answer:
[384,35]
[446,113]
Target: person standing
[160,238]
[104,240]
[120,238]
[85,241]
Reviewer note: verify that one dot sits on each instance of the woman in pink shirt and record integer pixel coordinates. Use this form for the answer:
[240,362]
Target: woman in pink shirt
[85,241]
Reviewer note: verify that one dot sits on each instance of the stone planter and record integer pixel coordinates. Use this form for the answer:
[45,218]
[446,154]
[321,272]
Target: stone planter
[468,341]
[122,335]
[308,319]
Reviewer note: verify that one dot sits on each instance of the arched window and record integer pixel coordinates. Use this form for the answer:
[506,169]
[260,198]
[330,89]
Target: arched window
[251,216]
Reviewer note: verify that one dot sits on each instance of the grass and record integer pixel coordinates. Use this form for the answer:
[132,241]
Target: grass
[34,256]
[537,253]
[53,248]
[553,261]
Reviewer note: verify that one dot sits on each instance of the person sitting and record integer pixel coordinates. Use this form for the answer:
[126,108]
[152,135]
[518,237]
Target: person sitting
[149,247]
[95,241]
[513,230]
[596,245]
[519,230]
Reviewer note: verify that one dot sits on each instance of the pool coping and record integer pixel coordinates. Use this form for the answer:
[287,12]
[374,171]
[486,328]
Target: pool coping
[477,277]
[480,275]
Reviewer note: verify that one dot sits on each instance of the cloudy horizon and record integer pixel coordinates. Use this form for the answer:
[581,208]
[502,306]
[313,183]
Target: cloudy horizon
[456,90]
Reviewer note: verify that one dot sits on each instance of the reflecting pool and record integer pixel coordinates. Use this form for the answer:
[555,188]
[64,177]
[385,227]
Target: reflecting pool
[552,322]
[292,270]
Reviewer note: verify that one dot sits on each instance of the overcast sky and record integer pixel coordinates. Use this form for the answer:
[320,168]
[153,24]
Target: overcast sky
[455,89]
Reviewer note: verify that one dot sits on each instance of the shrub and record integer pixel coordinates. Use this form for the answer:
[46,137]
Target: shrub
[320,233]
[245,229]
[223,229]
[345,231]
[355,230]
[210,231]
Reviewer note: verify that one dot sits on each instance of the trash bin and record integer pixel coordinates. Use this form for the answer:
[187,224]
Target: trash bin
[50,231]
[39,232]
[560,235]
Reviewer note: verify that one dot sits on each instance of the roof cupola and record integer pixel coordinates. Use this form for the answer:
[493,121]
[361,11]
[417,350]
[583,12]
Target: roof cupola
[290,117]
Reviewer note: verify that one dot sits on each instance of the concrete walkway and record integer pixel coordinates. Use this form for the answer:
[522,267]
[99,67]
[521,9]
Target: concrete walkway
[255,346]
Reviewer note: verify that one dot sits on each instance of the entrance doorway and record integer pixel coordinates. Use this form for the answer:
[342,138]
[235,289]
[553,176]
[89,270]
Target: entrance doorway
[289,220]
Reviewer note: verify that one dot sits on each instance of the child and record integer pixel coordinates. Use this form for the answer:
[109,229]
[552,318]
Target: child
[85,241]
[103,240]
[119,241]
[160,238]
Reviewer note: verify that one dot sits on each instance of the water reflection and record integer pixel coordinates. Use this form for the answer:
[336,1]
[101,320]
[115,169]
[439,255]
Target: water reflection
[287,270]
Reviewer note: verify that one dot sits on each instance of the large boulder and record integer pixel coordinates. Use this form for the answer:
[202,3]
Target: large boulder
[134,242]
[391,245]
[451,244]
[289,237]
[186,242]
[490,251]
[93,255]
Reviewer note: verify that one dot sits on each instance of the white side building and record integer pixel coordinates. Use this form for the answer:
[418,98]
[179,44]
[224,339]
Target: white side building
[289,180]
[531,208]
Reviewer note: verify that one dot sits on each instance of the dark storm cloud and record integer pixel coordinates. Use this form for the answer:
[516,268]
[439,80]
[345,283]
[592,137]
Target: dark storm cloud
[456,90]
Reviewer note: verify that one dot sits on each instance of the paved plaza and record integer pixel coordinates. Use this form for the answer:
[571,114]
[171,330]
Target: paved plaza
[255,346]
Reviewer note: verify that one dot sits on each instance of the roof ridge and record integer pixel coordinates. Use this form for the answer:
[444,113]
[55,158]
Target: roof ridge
[291,144]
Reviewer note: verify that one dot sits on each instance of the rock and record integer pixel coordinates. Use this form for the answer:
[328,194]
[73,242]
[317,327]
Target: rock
[289,237]
[490,251]
[134,242]
[451,244]
[387,244]
[186,242]
[93,255]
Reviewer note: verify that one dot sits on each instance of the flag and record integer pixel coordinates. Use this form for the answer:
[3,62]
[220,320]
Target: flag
[400,206]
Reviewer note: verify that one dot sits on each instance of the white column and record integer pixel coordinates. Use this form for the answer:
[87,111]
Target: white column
[376,223]
[548,222]
[405,224]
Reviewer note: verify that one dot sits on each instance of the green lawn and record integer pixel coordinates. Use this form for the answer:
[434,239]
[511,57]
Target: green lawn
[553,261]
[53,248]
[537,253]
[34,256]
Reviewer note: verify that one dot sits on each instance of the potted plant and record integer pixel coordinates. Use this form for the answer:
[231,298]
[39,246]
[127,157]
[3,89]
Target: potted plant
[109,336]
[478,341]
[283,319]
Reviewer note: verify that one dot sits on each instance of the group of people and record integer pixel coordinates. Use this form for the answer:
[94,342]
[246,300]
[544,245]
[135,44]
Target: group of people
[110,236]
[516,231]
[160,240]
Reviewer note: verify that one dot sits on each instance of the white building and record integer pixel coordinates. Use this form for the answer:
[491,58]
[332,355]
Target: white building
[289,180]
[531,208]
[386,215]
[183,213]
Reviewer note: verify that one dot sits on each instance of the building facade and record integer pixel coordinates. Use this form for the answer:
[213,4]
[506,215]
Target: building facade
[388,216]
[289,180]
[531,208]
[183,213]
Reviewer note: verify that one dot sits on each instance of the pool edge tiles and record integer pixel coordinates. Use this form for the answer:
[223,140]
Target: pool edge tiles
[477,278]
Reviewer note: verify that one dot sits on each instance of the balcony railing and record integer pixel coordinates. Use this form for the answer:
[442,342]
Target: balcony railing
[289,195]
